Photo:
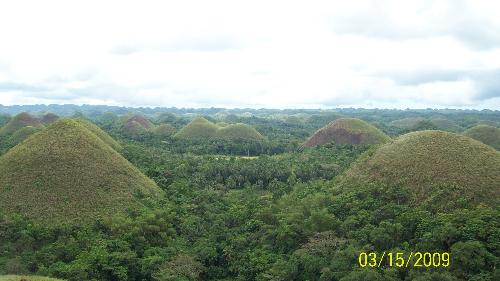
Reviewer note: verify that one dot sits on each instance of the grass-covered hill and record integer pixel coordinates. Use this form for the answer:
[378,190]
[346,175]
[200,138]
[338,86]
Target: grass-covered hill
[239,131]
[135,125]
[139,119]
[440,168]
[49,118]
[407,123]
[347,131]
[164,130]
[19,121]
[199,127]
[446,125]
[22,134]
[26,278]
[67,172]
[486,134]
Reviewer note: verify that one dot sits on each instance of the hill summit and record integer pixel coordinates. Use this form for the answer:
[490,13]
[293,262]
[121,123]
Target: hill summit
[67,172]
[486,134]
[436,166]
[350,131]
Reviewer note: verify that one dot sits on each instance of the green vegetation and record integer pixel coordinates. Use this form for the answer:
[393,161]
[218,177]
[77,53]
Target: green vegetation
[239,131]
[486,134]
[66,172]
[348,131]
[270,209]
[26,278]
[438,168]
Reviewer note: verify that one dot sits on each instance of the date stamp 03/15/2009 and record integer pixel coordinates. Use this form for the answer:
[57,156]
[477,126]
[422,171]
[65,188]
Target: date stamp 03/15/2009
[402,259]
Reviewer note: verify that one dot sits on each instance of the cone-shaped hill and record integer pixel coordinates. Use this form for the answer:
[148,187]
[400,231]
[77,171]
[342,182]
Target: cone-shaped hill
[431,166]
[239,131]
[198,128]
[350,131]
[49,118]
[22,134]
[486,134]
[17,122]
[66,172]
[139,119]
[164,130]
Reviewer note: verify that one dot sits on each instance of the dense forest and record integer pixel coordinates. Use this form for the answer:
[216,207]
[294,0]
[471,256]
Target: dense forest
[242,198]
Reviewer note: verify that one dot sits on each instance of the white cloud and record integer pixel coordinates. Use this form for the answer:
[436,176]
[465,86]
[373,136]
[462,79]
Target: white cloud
[255,53]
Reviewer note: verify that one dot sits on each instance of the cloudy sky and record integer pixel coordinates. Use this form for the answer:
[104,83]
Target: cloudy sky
[271,54]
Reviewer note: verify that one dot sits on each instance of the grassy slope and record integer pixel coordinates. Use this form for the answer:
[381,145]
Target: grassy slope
[26,278]
[100,133]
[239,131]
[67,172]
[446,125]
[348,131]
[486,134]
[421,161]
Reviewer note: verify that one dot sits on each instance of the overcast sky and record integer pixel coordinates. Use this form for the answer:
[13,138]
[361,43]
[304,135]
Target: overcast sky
[272,54]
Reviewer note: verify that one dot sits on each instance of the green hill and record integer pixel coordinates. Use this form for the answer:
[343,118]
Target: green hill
[486,134]
[133,128]
[139,119]
[49,118]
[164,130]
[347,131]
[22,134]
[99,133]
[239,131]
[66,172]
[432,165]
[446,125]
[26,278]
[407,123]
[198,128]
[17,122]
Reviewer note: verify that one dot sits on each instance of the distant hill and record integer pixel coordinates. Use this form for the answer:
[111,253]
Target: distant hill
[22,134]
[67,172]
[432,166]
[135,125]
[17,122]
[407,123]
[239,131]
[347,131]
[199,127]
[139,119]
[49,118]
[164,130]
[486,134]
[446,125]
